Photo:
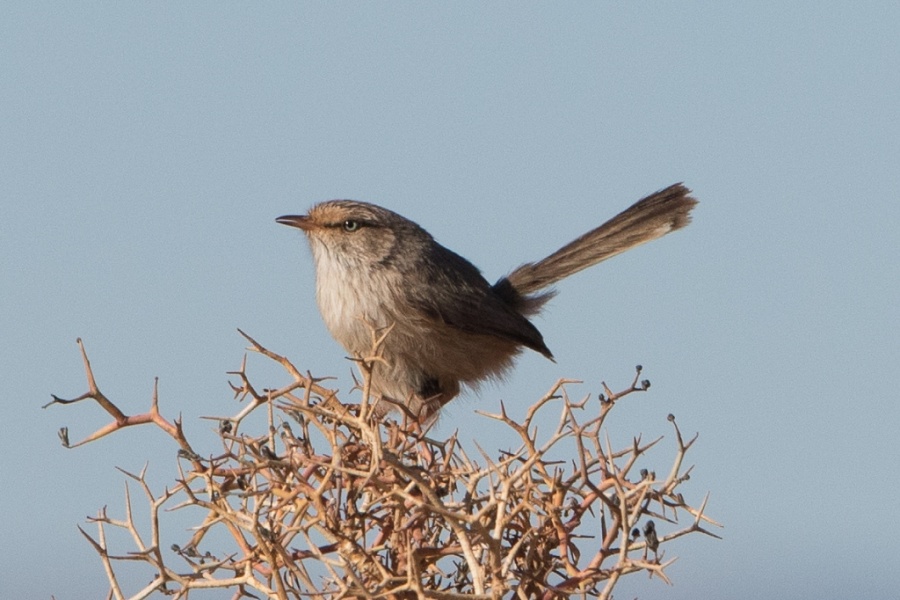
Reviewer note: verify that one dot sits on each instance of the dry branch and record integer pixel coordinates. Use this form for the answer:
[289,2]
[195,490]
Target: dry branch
[332,503]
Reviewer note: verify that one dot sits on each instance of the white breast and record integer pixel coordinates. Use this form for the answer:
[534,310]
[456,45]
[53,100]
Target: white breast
[348,295]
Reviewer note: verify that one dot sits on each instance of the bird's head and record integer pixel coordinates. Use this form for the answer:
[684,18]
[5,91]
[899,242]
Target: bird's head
[357,234]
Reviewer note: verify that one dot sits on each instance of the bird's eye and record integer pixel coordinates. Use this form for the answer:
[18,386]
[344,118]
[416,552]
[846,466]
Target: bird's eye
[350,225]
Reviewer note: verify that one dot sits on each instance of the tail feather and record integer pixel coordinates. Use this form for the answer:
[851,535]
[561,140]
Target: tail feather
[646,220]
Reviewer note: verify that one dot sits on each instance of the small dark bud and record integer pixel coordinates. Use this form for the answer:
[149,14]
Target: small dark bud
[644,473]
[176,548]
[603,398]
[188,455]
[64,436]
[650,535]
[635,533]
[264,450]
[671,417]
[645,384]
[226,426]
[639,368]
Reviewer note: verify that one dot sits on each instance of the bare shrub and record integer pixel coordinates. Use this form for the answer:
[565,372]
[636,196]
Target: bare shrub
[330,502]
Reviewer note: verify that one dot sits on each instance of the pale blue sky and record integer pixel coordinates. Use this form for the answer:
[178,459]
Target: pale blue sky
[145,150]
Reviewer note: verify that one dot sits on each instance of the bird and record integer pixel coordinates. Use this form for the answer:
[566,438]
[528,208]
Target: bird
[445,326]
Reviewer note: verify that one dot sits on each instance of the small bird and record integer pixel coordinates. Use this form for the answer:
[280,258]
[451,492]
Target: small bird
[446,325]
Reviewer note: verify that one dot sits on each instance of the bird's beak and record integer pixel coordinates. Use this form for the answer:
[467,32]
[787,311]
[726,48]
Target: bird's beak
[299,221]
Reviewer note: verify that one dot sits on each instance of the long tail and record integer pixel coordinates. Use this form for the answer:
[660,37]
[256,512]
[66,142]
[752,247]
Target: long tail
[649,218]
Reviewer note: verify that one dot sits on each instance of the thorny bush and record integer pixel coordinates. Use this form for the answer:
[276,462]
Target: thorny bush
[331,502]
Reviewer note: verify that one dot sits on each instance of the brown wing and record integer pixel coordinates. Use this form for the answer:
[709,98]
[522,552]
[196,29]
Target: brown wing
[469,303]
